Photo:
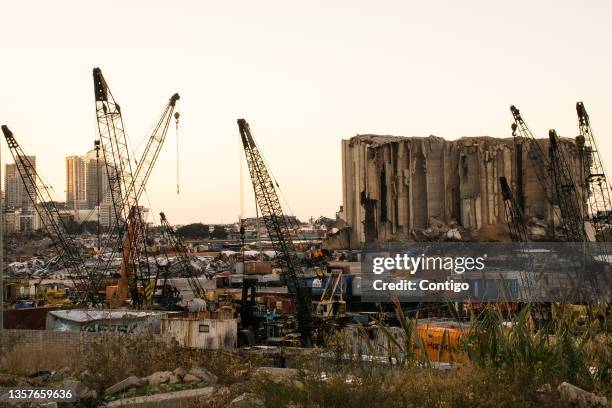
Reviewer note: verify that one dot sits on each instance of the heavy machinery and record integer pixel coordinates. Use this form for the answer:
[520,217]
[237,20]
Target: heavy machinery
[518,234]
[279,229]
[126,187]
[537,155]
[564,188]
[567,203]
[595,179]
[514,215]
[554,175]
[182,258]
[332,303]
[69,255]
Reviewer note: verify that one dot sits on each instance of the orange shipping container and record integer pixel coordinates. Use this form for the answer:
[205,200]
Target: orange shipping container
[257,267]
[442,344]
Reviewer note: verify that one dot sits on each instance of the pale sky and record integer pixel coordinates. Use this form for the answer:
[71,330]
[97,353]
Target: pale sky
[304,74]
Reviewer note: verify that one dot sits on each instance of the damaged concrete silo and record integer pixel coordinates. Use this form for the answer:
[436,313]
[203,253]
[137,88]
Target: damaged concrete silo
[394,186]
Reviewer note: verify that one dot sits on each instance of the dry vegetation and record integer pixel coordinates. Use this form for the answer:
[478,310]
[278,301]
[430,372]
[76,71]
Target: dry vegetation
[509,365]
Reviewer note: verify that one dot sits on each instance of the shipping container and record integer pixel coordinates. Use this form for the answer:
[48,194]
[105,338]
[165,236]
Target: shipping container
[202,333]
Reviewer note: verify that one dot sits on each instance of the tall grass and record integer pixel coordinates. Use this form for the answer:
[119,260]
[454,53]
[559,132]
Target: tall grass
[563,349]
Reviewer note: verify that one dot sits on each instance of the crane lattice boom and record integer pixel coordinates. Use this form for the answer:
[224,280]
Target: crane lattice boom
[69,254]
[180,252]
[278,226]
[126,185]
[564,187]
[599,197]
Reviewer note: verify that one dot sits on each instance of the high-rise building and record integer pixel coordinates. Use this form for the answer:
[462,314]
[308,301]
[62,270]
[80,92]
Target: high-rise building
[87,181]
[15,193]
[96,180]
[75,183]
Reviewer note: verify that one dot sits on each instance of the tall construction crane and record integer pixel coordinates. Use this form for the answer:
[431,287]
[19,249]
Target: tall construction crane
[518,233]
[543,168]
[181,253]
[279,228]
[69,255]
[537,153]
[554,172]
[564,187]
[127,185]
[599,197]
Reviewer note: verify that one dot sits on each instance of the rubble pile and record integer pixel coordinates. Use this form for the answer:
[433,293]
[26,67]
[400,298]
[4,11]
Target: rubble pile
[438,231]
[32,268]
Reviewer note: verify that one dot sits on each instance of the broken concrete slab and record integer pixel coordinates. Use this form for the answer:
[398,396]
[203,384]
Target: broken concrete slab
[80,389]
[159,377]
[203,374]
[277,374]
[168,399]
[188,378]
[247,400]
[179,372]
[131,381]
[581,398]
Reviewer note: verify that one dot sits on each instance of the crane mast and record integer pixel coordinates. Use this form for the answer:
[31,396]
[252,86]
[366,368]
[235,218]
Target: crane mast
[553,173]
[599,197]
[69,255]
[184,262]
[115,149]
[564,187]
[126,186]
[537,154]
[518,234]
[278,226]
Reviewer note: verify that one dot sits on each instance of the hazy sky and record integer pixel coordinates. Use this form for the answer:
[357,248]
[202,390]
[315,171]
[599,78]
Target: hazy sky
[304,74]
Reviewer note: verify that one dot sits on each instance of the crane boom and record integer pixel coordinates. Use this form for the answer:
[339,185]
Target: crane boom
[114,144]
[564,187]
[537,154]
[126,186]
[599,197]
[514,216]
[180,252]
[69,255]
[555,178]
[278,226]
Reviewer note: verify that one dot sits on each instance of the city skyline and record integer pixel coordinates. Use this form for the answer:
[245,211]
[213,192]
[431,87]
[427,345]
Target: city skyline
[305,77]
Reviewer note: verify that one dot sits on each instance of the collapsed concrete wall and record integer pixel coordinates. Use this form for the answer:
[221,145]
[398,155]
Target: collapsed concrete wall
[393,185]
